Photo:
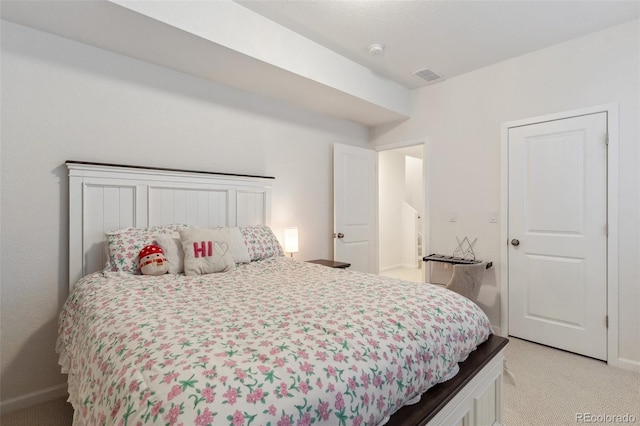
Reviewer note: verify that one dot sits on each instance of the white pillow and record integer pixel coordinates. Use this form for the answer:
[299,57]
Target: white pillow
[206,250]
[172,248]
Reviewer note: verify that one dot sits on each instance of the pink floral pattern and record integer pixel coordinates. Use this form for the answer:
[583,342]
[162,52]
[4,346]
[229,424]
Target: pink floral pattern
[261,242]
[124,246]
[272,342]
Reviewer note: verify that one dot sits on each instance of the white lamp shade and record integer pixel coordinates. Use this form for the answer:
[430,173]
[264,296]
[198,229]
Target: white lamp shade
[291,240]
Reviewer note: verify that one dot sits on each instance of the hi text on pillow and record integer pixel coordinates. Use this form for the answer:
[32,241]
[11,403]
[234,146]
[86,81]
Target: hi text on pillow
[207,251]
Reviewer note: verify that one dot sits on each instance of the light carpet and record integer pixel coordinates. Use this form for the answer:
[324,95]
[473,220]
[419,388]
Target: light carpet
[53,413]
[554,387]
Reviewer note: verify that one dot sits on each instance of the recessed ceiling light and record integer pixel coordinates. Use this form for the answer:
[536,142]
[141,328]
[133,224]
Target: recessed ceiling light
[376,49]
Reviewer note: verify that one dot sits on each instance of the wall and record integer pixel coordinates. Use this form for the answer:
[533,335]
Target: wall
[462,117]
[63,100]
[400,195]
[390,200]
[414,183]
[414,208]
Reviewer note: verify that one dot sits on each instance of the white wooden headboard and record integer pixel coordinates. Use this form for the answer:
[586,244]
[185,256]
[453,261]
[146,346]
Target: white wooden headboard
[106,197]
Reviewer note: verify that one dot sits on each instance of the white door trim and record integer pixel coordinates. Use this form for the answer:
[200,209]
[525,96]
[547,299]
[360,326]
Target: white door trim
[426,169]
[612,219]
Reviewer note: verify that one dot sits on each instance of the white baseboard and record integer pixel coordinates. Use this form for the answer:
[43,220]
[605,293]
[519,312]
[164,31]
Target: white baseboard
[629,365]
[398,266]
[33,398]
[387,268]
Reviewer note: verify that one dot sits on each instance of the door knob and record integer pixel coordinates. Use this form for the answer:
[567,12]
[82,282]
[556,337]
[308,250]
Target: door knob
[515,242]
[340,235]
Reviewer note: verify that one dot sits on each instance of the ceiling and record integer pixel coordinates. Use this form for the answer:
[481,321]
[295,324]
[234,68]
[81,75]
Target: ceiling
[314,53]
[447,37]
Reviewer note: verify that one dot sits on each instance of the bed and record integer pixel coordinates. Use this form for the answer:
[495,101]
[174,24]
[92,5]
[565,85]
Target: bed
[272,340]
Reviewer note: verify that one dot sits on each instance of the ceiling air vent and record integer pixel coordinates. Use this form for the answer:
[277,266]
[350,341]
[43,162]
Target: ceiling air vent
[427,75]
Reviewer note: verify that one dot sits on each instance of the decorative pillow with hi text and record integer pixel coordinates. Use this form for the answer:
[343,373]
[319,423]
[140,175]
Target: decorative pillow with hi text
[207,250]
[124,245]
[261,242]
[172,247]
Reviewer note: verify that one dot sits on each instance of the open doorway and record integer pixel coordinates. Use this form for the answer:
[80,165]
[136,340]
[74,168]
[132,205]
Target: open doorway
[401,212]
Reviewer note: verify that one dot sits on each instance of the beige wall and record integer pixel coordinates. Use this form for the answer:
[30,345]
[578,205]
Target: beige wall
[462,118]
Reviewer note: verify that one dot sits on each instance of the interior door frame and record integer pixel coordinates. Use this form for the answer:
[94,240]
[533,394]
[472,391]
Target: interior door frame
[612,218]
[426,159]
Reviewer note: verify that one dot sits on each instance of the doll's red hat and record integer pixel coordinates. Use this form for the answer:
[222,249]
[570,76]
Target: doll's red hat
[150,249]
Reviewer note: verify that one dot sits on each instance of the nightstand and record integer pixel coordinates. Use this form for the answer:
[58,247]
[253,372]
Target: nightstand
[330,263]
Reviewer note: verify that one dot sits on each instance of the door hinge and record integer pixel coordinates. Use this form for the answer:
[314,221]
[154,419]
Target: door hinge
[606,230]
[606,321]
[606,139]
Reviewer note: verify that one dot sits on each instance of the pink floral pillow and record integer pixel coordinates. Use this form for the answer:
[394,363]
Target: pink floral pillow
[261,242]
[124,246]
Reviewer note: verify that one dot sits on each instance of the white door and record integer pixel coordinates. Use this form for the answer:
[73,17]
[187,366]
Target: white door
[355,207]
[557,233]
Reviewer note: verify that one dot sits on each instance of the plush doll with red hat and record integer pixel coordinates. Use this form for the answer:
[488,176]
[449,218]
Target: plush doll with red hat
[153,261]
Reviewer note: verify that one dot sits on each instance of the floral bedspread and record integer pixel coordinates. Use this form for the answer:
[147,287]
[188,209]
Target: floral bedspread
[273,342]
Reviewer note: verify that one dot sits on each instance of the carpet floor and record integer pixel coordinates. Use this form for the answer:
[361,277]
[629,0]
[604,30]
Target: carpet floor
[551,387]
[554,387]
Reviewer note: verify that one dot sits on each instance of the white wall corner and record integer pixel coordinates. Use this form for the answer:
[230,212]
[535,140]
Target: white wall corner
[496,330]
